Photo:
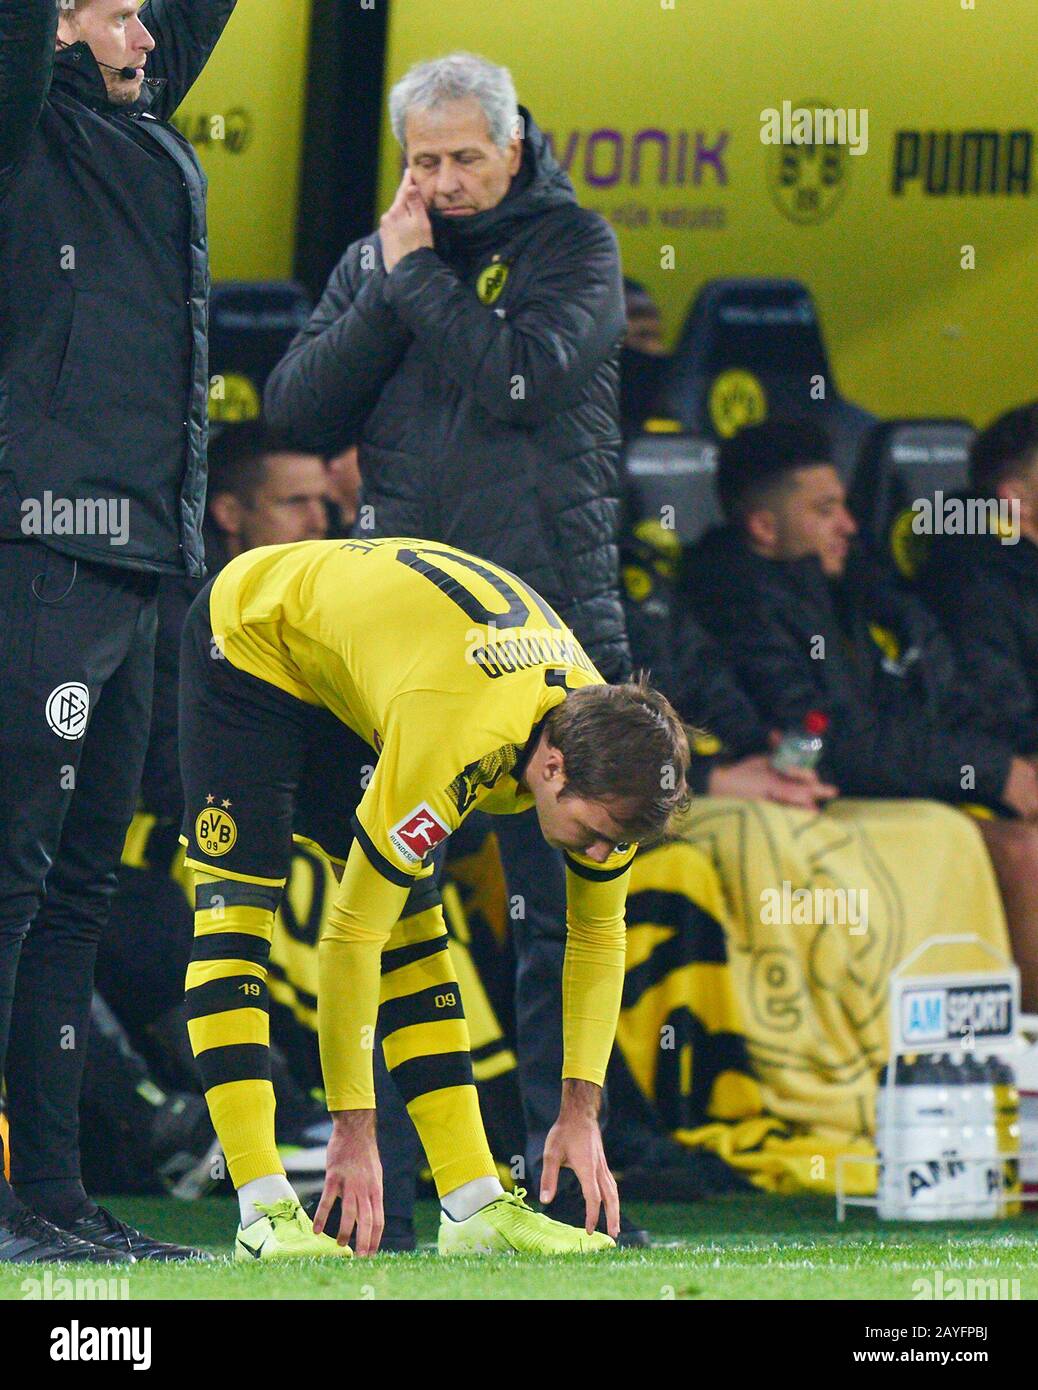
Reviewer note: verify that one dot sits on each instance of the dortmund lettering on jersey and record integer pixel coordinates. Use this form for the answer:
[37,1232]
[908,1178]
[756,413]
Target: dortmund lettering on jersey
[443,662]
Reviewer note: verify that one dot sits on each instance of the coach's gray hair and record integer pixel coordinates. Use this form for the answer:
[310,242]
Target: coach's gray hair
[453,78]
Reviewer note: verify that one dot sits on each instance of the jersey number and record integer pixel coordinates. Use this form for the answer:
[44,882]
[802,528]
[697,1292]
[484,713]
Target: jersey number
[506,584]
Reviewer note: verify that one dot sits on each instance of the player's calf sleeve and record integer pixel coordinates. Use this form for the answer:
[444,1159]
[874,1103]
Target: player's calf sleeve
[229,1020]
[425,1040]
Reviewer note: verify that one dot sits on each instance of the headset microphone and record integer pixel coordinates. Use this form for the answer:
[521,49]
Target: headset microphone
[128,74]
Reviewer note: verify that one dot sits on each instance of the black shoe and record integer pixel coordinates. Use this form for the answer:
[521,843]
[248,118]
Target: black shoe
[26,1238]
[181,1137]
[104,1229]
[398,1235]
[568,1207]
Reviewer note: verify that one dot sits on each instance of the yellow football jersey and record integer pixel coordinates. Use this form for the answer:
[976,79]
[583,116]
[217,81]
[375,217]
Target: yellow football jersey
[446,665]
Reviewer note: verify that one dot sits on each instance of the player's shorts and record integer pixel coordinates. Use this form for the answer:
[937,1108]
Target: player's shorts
[262,769]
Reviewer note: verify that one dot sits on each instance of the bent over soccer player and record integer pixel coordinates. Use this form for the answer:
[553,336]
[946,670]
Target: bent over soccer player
[365,697]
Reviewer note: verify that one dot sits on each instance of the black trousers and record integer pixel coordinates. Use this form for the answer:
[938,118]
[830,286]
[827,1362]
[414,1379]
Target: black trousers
[77,654]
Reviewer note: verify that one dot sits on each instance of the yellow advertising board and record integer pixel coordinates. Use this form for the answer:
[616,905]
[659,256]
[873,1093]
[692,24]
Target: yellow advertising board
[244,118]
[915,225]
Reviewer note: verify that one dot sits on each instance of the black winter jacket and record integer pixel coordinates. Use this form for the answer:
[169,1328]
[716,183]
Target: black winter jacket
[866,653]
[683,660]
[986,594]
[104,287]
[481,380]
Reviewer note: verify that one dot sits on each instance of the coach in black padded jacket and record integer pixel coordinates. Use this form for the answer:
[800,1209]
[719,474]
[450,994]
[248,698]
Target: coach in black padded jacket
[103,385]
[472,347]
[481,376]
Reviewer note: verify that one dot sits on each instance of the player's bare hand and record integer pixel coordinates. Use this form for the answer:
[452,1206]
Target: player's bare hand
[754,779]
[405,227]
[354,1175]
[575,1141]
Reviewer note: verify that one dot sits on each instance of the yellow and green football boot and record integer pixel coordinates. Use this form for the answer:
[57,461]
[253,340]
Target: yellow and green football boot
[285,1232]
[507,1226]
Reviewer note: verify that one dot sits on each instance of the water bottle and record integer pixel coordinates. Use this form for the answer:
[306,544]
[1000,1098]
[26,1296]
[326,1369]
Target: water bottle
[974,1094]
[1007,1134]
[802,747]
[922,1173]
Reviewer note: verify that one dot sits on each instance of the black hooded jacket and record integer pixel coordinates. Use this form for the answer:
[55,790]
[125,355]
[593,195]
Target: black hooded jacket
[985,593]
[682,659]
[903,722]
[481,380]
[104,286]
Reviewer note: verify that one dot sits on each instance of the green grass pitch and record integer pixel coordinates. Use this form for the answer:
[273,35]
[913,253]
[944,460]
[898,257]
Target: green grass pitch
[747,1247]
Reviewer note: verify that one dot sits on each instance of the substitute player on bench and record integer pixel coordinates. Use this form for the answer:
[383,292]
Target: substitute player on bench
[366,696]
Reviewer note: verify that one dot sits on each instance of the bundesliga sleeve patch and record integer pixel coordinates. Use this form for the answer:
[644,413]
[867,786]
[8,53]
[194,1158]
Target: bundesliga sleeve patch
[419,832]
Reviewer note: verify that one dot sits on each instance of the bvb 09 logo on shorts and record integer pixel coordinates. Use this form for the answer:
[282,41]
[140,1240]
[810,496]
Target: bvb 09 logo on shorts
[215,831]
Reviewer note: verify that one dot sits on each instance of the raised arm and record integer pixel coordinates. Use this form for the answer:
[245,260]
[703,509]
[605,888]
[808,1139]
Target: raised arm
[28,29]
[185,34]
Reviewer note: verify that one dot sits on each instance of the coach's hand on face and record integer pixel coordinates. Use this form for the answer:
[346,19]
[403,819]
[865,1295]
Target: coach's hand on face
[354,1174]
[406,226]
[575,1141]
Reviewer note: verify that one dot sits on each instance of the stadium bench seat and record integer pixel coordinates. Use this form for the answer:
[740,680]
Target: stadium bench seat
[673,470]
[751,349]
[251,325]
[902,461]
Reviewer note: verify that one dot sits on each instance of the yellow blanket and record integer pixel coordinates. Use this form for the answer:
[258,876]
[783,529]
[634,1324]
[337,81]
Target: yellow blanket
[818,909]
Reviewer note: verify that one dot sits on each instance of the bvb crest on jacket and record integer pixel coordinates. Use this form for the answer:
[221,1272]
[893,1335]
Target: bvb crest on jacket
[491,282]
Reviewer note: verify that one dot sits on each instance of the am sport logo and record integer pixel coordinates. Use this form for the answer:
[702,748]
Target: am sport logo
[948,1013]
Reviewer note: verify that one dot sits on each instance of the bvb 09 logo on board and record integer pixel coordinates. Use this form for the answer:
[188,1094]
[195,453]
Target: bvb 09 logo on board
[807,180]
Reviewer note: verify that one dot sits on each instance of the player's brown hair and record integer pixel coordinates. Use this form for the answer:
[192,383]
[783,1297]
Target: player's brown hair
[624,746]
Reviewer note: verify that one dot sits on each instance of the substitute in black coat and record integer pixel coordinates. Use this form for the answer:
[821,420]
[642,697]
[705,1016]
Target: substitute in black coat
[103,387]
[728,740]
[808,624]
[807,627]
[984,585]
[480,374]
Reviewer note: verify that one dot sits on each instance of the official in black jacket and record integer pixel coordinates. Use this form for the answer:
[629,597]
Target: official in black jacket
[808,625]
[983,585]
[472,347]
[103,387]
